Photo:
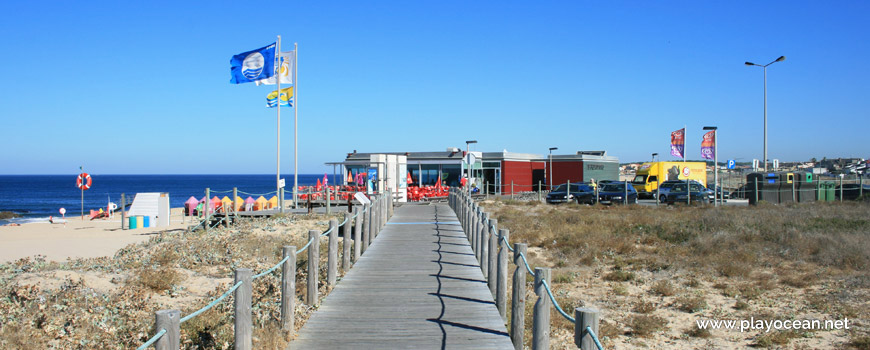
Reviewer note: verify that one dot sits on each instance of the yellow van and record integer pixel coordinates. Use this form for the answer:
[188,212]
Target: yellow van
[650,175]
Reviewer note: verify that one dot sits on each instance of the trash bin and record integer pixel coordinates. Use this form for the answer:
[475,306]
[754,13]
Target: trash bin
[806,188]
[787,187]
[831,191]
[132,222]
[768,187]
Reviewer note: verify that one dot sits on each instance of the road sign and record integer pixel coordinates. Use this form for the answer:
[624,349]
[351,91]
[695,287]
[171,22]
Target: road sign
[686,171]
[281,183]
[470,159]
[359,196]
[732,164]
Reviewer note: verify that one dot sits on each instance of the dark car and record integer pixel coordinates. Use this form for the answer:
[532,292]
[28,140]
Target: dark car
[722,195]
[741,192]
[580,192]
[679,193]
[666,187]
[617,193]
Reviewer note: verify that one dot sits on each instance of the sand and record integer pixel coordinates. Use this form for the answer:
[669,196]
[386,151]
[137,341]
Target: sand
[77,238]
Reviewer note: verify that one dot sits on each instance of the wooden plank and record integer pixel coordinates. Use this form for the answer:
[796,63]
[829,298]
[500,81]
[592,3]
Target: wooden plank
[417,286]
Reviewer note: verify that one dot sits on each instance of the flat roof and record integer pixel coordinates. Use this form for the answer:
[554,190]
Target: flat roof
[359,158]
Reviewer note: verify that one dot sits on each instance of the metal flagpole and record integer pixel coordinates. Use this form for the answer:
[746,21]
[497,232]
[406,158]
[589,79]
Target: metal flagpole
[82,187]
[295,124]
[278,85]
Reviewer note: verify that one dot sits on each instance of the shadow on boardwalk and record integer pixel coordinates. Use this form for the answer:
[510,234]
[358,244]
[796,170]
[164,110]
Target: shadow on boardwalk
[418,286]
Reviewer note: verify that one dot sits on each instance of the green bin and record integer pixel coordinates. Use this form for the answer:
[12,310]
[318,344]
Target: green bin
[132,221]
[830,190]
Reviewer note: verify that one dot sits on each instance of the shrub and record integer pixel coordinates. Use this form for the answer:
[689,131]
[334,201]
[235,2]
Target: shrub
[691,304]
[645,325]
[619,276]
[664,288]
[158,279]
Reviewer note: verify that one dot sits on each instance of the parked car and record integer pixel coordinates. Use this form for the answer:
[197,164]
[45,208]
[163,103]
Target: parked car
[723,194]
[679,193]
[581,193]
[615,193]
[666,188]
[741,192]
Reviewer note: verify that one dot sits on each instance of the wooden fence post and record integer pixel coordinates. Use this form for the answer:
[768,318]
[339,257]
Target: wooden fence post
[541,313]
[375,218]
[242,314]
[484,249]
[512,189]
[205,207]
[357,231]
[235,208]
[326,198]
[170,320]
[124,212]
[345,247]
[313,266]
[492,279]
[518,298]
[332,253]
[501,285]
[475,221]
[288,287]
[585,318]
[367,226]
[475,233]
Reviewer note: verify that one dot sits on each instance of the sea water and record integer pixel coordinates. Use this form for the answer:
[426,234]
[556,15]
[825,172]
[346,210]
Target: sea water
[36,197]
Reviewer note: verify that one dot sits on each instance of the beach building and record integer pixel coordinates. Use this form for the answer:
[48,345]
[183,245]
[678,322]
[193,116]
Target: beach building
[492,172]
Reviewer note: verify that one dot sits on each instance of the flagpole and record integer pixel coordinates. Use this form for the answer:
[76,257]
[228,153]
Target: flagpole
[295,125]
[278,84]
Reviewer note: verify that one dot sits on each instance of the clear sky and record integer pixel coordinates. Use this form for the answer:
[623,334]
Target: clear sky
[142,87]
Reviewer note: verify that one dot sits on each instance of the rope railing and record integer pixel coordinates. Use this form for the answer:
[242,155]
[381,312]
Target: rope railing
[153,339]
[380,204]
[211,304]
[491,247]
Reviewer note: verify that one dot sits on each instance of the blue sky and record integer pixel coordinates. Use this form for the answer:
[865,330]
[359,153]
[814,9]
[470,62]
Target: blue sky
[143,87]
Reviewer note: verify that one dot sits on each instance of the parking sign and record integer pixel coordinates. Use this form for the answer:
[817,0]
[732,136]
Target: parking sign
[732,164]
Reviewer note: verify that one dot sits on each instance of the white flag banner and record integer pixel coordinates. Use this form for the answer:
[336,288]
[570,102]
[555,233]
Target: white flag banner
[286,68]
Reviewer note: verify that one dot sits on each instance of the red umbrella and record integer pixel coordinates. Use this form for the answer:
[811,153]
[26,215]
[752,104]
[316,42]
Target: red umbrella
[319,186]
[410,180]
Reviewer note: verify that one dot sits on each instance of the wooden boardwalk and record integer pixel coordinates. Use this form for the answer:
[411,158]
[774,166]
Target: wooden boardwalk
[418,286]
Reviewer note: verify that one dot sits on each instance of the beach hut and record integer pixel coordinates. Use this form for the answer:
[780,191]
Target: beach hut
[239,203]
[215,204]
[226,204]
[273,202]
[249,203]
[260,203]
[190,205]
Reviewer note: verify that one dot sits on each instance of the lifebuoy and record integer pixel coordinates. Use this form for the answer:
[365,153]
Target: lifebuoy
[83,181]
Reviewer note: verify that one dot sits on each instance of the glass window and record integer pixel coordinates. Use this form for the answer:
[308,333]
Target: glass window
[613,187]
[451,173]
[640,179]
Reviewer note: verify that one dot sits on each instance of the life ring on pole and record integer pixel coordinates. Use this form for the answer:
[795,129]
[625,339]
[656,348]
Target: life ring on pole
[83,181]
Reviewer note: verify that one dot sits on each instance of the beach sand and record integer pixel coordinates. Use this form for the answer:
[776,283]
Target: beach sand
[76,239]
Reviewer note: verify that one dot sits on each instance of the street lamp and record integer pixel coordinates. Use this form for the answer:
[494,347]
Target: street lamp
[467,157]
[551,166]
[654,156]
[715,163]
[764,67]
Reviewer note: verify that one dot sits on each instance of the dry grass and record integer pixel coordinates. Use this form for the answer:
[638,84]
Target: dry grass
[150,276]
[794,261]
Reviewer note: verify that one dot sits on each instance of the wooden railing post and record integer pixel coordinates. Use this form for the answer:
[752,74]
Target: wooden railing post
[313,266]
[376,218]
[475,221]
[326,198]
[288,287]
[484,249]
[541,313]
[518,297]
[501,286]
[235,209]
[345,246]
[585,318]
[170,320]
[332,253]
[512,189]
[357,233]
[124,211]
[492,279]
[242,316]
[367,227]
[205,209]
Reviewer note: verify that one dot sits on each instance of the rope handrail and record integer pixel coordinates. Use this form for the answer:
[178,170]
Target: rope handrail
[305,247]
[526,262]
[506,243]
[594,338]
[215,191]
[259,194]
[555,303]
[211,304]
[270,269]
[153,339]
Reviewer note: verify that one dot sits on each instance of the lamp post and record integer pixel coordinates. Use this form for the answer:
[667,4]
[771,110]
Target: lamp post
[654,156]
[468,170]
[764,68]
[715,164]
[551,166]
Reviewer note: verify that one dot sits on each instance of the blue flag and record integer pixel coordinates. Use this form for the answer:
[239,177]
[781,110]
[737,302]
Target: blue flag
[253,65]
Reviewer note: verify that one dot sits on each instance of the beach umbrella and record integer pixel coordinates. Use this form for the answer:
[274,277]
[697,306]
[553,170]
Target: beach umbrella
[410,179]
[190,204]
[349,178]
[319,186]
[249,203]
[273,202]
[260,203]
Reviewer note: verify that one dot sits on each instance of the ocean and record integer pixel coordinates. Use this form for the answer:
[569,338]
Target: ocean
[35,197]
